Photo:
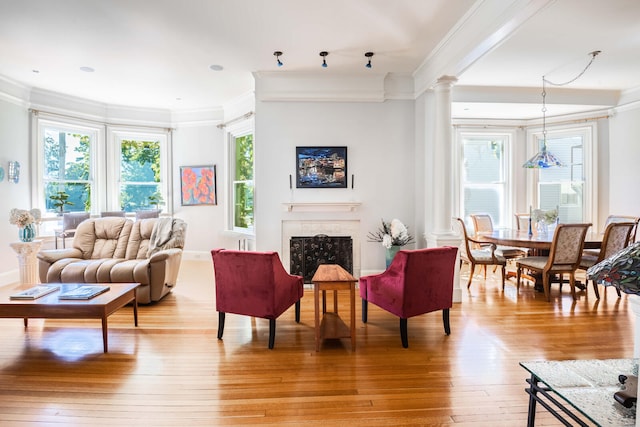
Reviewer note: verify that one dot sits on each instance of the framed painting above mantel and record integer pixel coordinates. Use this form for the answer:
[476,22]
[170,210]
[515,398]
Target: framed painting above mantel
[321,167]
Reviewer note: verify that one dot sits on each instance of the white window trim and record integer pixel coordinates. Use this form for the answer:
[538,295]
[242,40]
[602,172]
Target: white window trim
[236,130]
[115,135]
[510,136]
[589,133]
[37,198]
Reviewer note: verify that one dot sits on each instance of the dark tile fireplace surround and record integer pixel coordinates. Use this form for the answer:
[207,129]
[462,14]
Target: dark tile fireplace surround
[307,253]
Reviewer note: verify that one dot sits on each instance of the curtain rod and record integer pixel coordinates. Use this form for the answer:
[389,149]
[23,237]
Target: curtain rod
[103,123]
[562,122]
[237,119]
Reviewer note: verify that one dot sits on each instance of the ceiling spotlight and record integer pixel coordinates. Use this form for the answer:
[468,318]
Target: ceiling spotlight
[87,69]
[277,54]
[324,58]
[216,67]
[368,55]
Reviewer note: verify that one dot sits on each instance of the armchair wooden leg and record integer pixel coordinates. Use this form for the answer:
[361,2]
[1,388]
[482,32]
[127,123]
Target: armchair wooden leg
[220,324]
[471,268]
[298,311]
[403,333]
[365,309]
[272,333]
[445,320]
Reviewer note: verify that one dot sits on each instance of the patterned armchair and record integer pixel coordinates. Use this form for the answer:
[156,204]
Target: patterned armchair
[564,257]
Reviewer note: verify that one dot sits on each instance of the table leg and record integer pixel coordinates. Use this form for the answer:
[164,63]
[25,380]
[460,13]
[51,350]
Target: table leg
[335,301]
[104,333]
[324,302]
[26,321]
[533,391]
[316,298]
[135,306]
[353,316]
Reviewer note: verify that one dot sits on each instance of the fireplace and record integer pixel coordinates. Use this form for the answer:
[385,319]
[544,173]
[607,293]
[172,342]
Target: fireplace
[345,230]
[307,253]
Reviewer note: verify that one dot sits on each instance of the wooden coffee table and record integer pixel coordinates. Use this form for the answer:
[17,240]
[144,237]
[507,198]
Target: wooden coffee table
[50,307]
[332,277]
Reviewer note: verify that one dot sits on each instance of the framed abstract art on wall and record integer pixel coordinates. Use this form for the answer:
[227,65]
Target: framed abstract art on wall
[321,167]
[198,185]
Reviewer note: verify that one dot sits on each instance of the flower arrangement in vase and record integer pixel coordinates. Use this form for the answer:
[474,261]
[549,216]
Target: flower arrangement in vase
[393,235]
[25,220]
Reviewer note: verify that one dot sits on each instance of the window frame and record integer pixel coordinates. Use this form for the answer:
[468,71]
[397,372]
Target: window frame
[588,132]
[508,137]
[112,200]
[238,130]
[71,126]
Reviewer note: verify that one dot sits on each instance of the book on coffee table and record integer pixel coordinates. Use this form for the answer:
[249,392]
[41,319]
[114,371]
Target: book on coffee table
[35,292]
[83,292]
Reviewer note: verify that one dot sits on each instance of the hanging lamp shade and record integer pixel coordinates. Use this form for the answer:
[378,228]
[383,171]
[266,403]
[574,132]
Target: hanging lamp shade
[543,159]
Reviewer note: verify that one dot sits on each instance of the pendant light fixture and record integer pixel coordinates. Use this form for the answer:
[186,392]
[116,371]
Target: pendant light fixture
[277,54]
[324,58]
[368,55]
[544,158]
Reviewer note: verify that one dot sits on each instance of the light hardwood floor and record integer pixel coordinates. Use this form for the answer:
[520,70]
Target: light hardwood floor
[172,371]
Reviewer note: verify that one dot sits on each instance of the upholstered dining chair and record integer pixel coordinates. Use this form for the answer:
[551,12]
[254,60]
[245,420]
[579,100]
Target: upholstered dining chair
[150,213]
[564,257]
[416,282]
[522,221]
[475,252]
[120,214]
[616,237]
[254,284]
[482,223]
[70,222]
[624,218]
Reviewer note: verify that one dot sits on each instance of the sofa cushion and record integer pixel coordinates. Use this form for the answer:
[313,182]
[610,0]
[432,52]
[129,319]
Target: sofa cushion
[105,237]
[138,245]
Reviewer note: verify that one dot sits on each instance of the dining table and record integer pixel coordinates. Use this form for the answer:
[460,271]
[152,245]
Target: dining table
[539,244]
[536,242]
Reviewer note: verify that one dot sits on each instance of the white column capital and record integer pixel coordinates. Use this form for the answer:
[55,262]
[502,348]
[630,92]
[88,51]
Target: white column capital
[445,82]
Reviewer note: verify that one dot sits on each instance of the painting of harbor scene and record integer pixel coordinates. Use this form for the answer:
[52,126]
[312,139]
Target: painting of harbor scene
[321,167]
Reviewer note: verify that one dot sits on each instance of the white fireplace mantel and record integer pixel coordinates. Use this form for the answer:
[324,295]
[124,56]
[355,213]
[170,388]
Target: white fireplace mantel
[321,206]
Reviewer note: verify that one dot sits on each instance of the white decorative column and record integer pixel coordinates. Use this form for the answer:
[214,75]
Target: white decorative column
[27,260]
[442,176]
[634,303]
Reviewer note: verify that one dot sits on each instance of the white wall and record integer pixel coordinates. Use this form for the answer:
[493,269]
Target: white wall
[624,161]
[14,145]
[381,155]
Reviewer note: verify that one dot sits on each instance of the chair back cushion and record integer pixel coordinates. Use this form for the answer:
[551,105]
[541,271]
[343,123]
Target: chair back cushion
[616,238]
[71,220]
[105,237]
[482,223]
[416,282]
[567,245]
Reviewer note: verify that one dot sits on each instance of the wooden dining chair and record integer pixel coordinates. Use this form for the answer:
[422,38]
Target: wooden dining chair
[475,252]
[624,218]
[482,223]
[616,237]
[522,221]
[564,257]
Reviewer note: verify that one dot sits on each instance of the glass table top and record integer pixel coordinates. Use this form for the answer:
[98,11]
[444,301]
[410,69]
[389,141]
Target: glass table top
[588,386]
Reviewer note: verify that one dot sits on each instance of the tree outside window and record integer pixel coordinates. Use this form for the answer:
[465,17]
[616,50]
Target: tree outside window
[140,175]
[67,168]
[243,184]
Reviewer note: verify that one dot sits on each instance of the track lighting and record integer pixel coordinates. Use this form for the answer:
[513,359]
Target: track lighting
[324,58]
[277,54]
[368,55]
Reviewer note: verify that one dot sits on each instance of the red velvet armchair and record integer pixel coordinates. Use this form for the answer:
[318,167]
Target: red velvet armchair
[417,282]
[254,284]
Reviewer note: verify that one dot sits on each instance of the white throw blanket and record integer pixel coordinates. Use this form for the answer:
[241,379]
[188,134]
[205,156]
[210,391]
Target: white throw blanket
[160,235]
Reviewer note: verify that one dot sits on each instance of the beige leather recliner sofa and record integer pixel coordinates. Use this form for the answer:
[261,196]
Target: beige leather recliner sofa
[119,250]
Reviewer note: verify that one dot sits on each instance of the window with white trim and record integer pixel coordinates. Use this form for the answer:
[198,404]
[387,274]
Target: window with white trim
[570,187]
[484,187]
[241,184]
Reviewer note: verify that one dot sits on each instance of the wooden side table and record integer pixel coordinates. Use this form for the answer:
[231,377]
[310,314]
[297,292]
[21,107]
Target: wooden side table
[332,277]
[27,261]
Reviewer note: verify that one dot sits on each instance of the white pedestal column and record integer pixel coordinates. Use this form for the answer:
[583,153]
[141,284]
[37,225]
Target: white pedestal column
[27,260]
[634,303]
[442,177]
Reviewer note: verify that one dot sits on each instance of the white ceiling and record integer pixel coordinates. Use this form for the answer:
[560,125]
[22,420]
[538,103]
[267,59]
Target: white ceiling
[158,53]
